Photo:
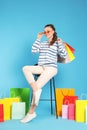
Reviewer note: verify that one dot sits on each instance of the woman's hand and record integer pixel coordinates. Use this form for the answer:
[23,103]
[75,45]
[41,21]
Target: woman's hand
[39,36]
[59,40]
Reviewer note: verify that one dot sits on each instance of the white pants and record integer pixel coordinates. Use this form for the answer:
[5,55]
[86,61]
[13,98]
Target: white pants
[46,73]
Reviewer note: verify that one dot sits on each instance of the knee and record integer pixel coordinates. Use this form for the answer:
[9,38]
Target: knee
[25,68]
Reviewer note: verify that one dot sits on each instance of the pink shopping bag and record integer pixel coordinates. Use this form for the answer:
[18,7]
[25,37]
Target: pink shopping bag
[65,111]
[71,112]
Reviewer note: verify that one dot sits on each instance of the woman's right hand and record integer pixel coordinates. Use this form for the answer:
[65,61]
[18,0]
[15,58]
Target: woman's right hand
[39,36]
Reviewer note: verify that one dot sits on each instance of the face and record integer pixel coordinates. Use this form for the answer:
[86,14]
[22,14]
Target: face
[48,31]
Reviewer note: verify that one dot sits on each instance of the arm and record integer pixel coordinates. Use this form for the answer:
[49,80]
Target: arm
[62,50]
[36,45]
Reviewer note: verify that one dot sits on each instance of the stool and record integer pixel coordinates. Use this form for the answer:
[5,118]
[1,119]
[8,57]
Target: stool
[52,84]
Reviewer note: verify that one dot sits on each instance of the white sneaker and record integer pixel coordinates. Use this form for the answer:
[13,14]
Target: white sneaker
[37,96]
[28,117]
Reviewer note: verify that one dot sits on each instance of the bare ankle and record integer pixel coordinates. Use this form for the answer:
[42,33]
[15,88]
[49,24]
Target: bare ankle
[32,109]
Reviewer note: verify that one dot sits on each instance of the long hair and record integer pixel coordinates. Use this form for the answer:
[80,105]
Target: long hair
[54,35]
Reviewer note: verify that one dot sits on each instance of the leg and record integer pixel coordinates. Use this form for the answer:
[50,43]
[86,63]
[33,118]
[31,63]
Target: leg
[47,74]
[44,77]
[28,72]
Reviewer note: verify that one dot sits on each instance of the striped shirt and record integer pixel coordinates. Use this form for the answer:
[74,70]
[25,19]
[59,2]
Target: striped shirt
[48,54]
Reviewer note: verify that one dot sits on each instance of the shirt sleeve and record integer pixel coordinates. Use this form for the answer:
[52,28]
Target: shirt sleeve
[62,50]
[36,46]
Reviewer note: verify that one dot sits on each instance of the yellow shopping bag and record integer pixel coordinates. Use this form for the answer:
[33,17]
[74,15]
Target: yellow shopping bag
[70,54]
[86,113]
[7,102]
[60,93]
[81,110]
[1,101]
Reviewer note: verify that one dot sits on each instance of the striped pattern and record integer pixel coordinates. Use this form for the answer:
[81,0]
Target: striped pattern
[48,54]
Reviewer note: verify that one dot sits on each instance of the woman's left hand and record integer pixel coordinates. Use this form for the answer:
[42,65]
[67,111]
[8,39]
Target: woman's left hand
[59,40]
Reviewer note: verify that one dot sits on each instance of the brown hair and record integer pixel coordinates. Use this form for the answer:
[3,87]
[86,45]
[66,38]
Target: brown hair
[54,35]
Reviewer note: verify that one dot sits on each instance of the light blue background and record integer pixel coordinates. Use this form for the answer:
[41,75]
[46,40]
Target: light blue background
[21,20]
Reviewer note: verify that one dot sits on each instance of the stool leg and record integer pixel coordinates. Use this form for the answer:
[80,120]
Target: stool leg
[51,96]
[55,97]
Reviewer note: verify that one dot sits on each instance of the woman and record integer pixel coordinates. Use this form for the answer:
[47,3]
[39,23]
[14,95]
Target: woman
[47,65]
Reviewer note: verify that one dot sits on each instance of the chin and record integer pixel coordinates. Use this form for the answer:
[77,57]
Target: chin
[48,37]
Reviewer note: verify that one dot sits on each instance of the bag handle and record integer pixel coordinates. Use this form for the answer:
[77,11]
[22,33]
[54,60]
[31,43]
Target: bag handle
[66,102]
[83,95]
[63,93]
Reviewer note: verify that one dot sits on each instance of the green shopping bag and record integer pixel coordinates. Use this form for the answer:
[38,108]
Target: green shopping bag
[23,93]
[18,110]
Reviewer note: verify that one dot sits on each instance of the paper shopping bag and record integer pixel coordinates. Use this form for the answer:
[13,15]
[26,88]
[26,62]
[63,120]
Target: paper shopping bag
[18,110]
[70,56]
[1,113]
[23,93]
[86,114]
[60,93]
[70,47]
[71,111]
[81,110]
[7,102]
[65,111]
[70,99]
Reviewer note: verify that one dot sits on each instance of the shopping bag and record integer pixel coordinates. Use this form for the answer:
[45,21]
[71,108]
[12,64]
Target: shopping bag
[70,47]
[71,111]
[18,110]
[7,102]
[23,93]
[1,113]
[70,56]
[65,111]
[60,93]
[86,114]
[70,99]
[81,110]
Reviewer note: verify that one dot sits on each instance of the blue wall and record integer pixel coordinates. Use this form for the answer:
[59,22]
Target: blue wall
[21,20]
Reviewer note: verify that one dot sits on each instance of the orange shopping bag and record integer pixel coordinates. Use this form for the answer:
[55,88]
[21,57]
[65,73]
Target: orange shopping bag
[60,93]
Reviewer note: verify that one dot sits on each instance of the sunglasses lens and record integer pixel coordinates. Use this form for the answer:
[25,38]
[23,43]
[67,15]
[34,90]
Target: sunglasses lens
[46,32]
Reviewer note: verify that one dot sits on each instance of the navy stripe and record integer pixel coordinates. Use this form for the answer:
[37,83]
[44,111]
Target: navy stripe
[48,55]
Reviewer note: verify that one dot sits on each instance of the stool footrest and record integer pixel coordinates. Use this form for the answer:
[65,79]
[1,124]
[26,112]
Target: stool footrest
[47,100]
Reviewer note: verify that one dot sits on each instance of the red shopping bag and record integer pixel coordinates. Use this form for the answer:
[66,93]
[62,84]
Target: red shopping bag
[1,113]
[70,47]
[70,99]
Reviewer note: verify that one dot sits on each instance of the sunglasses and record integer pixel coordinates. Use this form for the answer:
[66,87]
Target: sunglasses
[47,32]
